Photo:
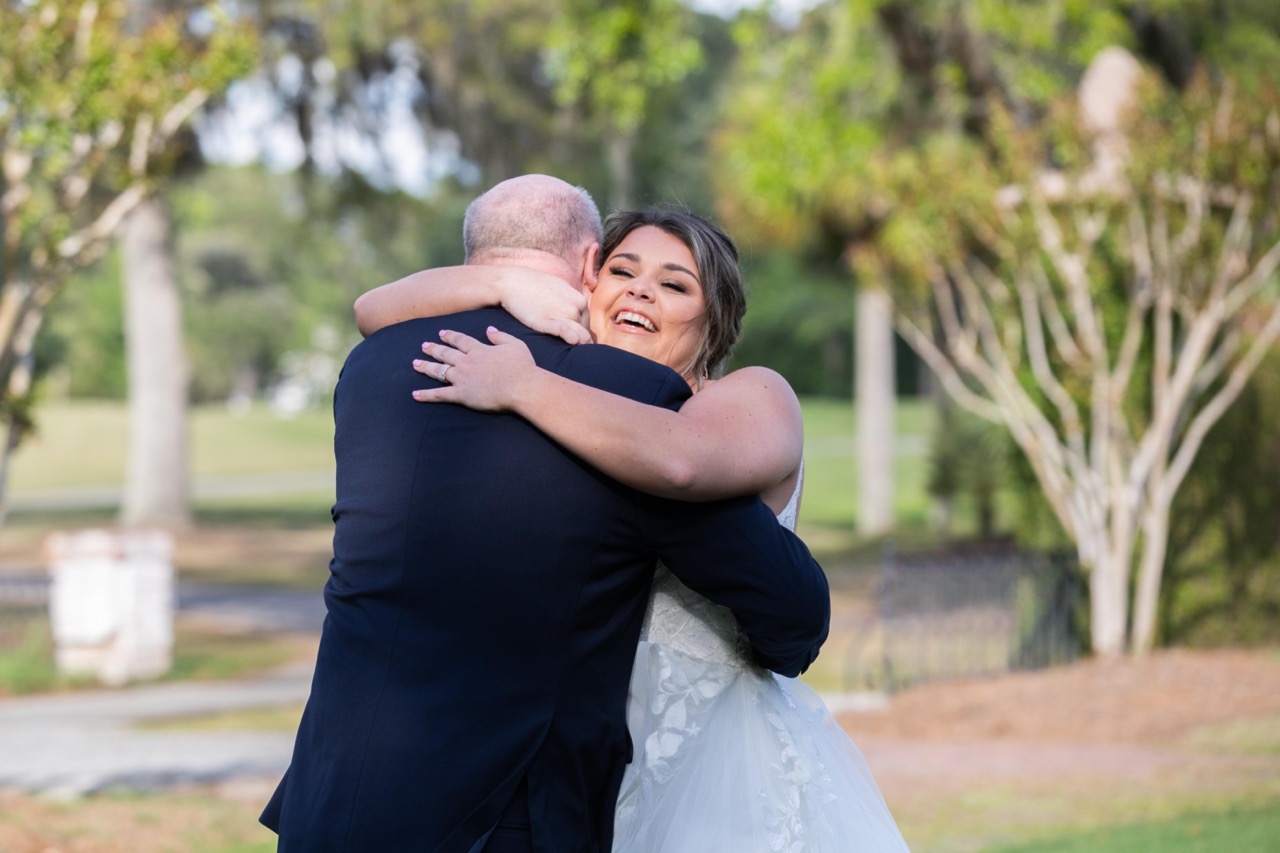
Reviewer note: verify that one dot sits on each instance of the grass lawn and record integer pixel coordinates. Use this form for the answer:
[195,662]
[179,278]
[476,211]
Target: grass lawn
[86,443]
[82,444]
[1248,830]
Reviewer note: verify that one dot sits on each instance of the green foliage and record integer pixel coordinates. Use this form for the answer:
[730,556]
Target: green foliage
[967,459]
[79,84]
[268,265]
[1090,292]
[482,68]
[798,320]
[27,666]
[825,122]
[612,56]
[82,339]
[1223,578]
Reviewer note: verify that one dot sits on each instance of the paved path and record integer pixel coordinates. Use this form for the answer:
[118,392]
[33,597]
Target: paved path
[77,743]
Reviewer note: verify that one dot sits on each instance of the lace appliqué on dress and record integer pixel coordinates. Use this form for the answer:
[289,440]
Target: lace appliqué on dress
[730,757]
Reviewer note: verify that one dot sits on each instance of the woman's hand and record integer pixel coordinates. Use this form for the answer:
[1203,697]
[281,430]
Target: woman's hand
[544,303]
[476,375]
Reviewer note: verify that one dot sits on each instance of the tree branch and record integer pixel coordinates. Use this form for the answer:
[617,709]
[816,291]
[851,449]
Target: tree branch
[101,229]
[1217,406]
[1072,272]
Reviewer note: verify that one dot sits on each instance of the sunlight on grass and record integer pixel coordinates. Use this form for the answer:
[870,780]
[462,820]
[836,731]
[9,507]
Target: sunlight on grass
[1022,818]
[1255,829]
[830,492]
[85,443]
[1250,737]
[27,666]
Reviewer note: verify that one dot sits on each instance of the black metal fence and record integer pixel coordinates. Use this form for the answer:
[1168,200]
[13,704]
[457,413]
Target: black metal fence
[963,613]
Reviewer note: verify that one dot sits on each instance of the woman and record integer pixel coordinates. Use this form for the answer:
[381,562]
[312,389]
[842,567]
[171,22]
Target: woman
[728,757]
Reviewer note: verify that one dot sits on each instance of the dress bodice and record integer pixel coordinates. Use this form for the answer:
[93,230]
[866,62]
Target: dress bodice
[681,619]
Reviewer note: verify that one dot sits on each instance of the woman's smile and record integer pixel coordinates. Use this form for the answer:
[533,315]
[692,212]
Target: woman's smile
[648,299]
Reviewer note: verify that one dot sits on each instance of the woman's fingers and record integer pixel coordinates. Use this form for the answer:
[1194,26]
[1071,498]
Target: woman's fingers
[472,372]
[438,371]
[457,340]
[443,394]
[497,336]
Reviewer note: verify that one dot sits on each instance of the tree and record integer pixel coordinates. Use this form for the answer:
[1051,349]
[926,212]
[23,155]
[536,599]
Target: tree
[611,58]
[87,115]
[1108,321]
[157,478]
[500,87]
[1069,304]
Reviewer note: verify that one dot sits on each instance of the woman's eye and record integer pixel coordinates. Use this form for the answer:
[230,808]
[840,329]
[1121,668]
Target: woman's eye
[676,286]
[620,271]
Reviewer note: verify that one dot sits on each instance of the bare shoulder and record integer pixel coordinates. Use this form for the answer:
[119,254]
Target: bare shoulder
[759,385]
[756,390]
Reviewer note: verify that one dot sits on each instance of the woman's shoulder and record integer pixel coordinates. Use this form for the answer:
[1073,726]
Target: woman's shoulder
[757,384]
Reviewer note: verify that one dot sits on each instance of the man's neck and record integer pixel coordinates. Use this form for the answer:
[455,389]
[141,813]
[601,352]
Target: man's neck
[544,262]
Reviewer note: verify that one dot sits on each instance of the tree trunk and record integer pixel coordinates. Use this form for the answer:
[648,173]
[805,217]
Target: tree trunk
[157,485]
[1109,586]
[22,344]
[875,400]
[1155,542]
[619,148]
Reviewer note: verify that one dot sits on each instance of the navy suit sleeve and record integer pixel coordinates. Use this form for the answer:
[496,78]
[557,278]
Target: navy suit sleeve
[735,553]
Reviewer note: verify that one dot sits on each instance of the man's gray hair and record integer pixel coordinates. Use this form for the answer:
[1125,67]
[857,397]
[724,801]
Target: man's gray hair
[531,212]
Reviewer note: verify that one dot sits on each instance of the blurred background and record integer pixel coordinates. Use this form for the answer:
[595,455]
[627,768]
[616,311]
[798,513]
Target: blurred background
[1019,260]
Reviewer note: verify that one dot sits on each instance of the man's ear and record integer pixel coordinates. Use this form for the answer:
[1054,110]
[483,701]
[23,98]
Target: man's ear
[590,267]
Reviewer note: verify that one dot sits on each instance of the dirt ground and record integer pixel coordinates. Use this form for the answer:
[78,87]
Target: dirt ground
[1154,701]
[966,765]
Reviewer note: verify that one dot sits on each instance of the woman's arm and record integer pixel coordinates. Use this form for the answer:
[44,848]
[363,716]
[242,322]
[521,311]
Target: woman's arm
[742,434]
[542,302]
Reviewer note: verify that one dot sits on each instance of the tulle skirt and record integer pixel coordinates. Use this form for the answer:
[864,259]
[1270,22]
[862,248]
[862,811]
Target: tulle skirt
[732,759]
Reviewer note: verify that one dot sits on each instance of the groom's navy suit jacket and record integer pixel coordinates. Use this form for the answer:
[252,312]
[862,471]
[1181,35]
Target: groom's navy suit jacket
[485,601]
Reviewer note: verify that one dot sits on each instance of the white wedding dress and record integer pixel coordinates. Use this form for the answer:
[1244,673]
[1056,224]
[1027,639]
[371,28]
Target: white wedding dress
[729,757]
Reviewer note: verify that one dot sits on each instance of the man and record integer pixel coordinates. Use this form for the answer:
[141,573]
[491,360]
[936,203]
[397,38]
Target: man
[487,589]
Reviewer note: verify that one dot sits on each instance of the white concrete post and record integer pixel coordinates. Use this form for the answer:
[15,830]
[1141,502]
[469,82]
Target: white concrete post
[111,603]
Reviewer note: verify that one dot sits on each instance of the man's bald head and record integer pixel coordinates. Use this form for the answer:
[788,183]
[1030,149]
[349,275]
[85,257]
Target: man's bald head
[531,212]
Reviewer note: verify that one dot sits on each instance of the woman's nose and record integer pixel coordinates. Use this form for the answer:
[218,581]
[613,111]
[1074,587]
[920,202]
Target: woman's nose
[640,288]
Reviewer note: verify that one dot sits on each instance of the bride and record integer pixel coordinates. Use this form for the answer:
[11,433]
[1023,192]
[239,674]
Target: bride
[728,756]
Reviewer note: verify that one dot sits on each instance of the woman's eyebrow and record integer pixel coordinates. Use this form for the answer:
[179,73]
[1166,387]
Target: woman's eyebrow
[677,268]
[670,265]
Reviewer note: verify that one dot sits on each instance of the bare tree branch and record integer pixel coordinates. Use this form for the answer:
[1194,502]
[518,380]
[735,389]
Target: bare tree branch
[1072,272]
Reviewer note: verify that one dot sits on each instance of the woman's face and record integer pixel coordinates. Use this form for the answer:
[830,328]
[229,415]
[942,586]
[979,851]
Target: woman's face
[648,299]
